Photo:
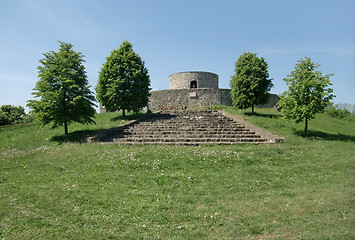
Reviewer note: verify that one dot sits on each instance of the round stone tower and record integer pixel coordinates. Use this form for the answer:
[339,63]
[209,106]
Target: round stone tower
[190,80]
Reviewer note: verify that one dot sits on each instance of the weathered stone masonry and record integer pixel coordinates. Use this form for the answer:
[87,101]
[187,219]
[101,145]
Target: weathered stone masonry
[194,89]
[187,98]
[185,80]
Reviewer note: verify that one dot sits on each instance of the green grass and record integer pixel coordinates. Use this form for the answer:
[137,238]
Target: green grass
[56,187]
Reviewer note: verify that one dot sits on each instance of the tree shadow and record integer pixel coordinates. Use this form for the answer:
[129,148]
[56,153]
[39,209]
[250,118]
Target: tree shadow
[143,117]
[326,136]
[81,136]
[159,116]
[76,136]
[264,115]
[129,117]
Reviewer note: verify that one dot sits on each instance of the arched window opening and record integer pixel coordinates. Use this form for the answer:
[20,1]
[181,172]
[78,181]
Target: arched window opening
[193,84]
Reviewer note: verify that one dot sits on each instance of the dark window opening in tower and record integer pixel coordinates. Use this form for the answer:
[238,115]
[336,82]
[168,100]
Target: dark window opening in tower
[193,84]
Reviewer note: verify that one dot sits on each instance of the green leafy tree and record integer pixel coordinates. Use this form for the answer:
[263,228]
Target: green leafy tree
[63,89]
[124,83]
[11,114]
[251,83]
[307,94]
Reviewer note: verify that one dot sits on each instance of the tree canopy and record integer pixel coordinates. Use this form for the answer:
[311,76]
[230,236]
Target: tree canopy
[307,93]
[63,90]
[124,83]
[251,83]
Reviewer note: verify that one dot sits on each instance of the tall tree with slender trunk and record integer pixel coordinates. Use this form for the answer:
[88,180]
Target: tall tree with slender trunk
[308,93]
[63,91]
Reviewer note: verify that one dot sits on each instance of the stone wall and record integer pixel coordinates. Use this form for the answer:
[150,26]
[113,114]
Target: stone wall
[183,80]
[190,98]
[273,100]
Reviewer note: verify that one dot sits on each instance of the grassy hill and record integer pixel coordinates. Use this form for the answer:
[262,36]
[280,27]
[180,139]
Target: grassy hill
[55,187]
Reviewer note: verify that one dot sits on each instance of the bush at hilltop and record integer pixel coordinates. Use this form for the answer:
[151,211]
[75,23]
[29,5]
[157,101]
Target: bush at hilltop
[11,114]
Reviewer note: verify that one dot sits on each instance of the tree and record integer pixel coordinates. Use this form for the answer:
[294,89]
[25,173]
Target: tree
[307,93]
[251,83]
[123,81]
[65,96]
[11,114]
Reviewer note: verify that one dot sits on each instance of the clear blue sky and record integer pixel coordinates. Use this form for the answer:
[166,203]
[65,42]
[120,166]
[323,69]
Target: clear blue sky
[174,36]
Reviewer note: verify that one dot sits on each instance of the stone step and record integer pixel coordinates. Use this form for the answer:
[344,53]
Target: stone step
[185,129]
[190,125]
[192,128]
[179,120]
[192,140]
[184,143]
[178,143]
[187,125]
[177,131]
[187,136]
[188,121]
[192,116]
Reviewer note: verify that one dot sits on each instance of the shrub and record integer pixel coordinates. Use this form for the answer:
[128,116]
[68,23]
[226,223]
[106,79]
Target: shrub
[335,111]
[4,120]
[11,114]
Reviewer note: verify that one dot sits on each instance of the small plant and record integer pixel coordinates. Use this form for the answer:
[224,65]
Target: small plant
[217,107]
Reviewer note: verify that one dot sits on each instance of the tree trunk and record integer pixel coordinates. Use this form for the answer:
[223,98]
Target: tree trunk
[123,113]
[305,126]
[252,109]
[65,128]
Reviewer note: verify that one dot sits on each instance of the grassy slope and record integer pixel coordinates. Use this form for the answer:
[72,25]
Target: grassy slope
[54,188]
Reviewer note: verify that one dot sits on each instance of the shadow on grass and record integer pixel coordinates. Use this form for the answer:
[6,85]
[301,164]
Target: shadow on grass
[128,117]
[275,116]
[82,135]
[76,136]
[326,136]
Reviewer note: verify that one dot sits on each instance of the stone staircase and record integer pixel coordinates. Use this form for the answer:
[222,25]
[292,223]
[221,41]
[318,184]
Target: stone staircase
[183,128]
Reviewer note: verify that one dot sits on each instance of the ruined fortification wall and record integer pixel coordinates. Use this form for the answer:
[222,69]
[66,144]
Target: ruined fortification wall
[190,98]
[273,100]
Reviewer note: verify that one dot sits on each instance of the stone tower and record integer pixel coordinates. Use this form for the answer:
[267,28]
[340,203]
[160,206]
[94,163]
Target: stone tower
[189,80]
